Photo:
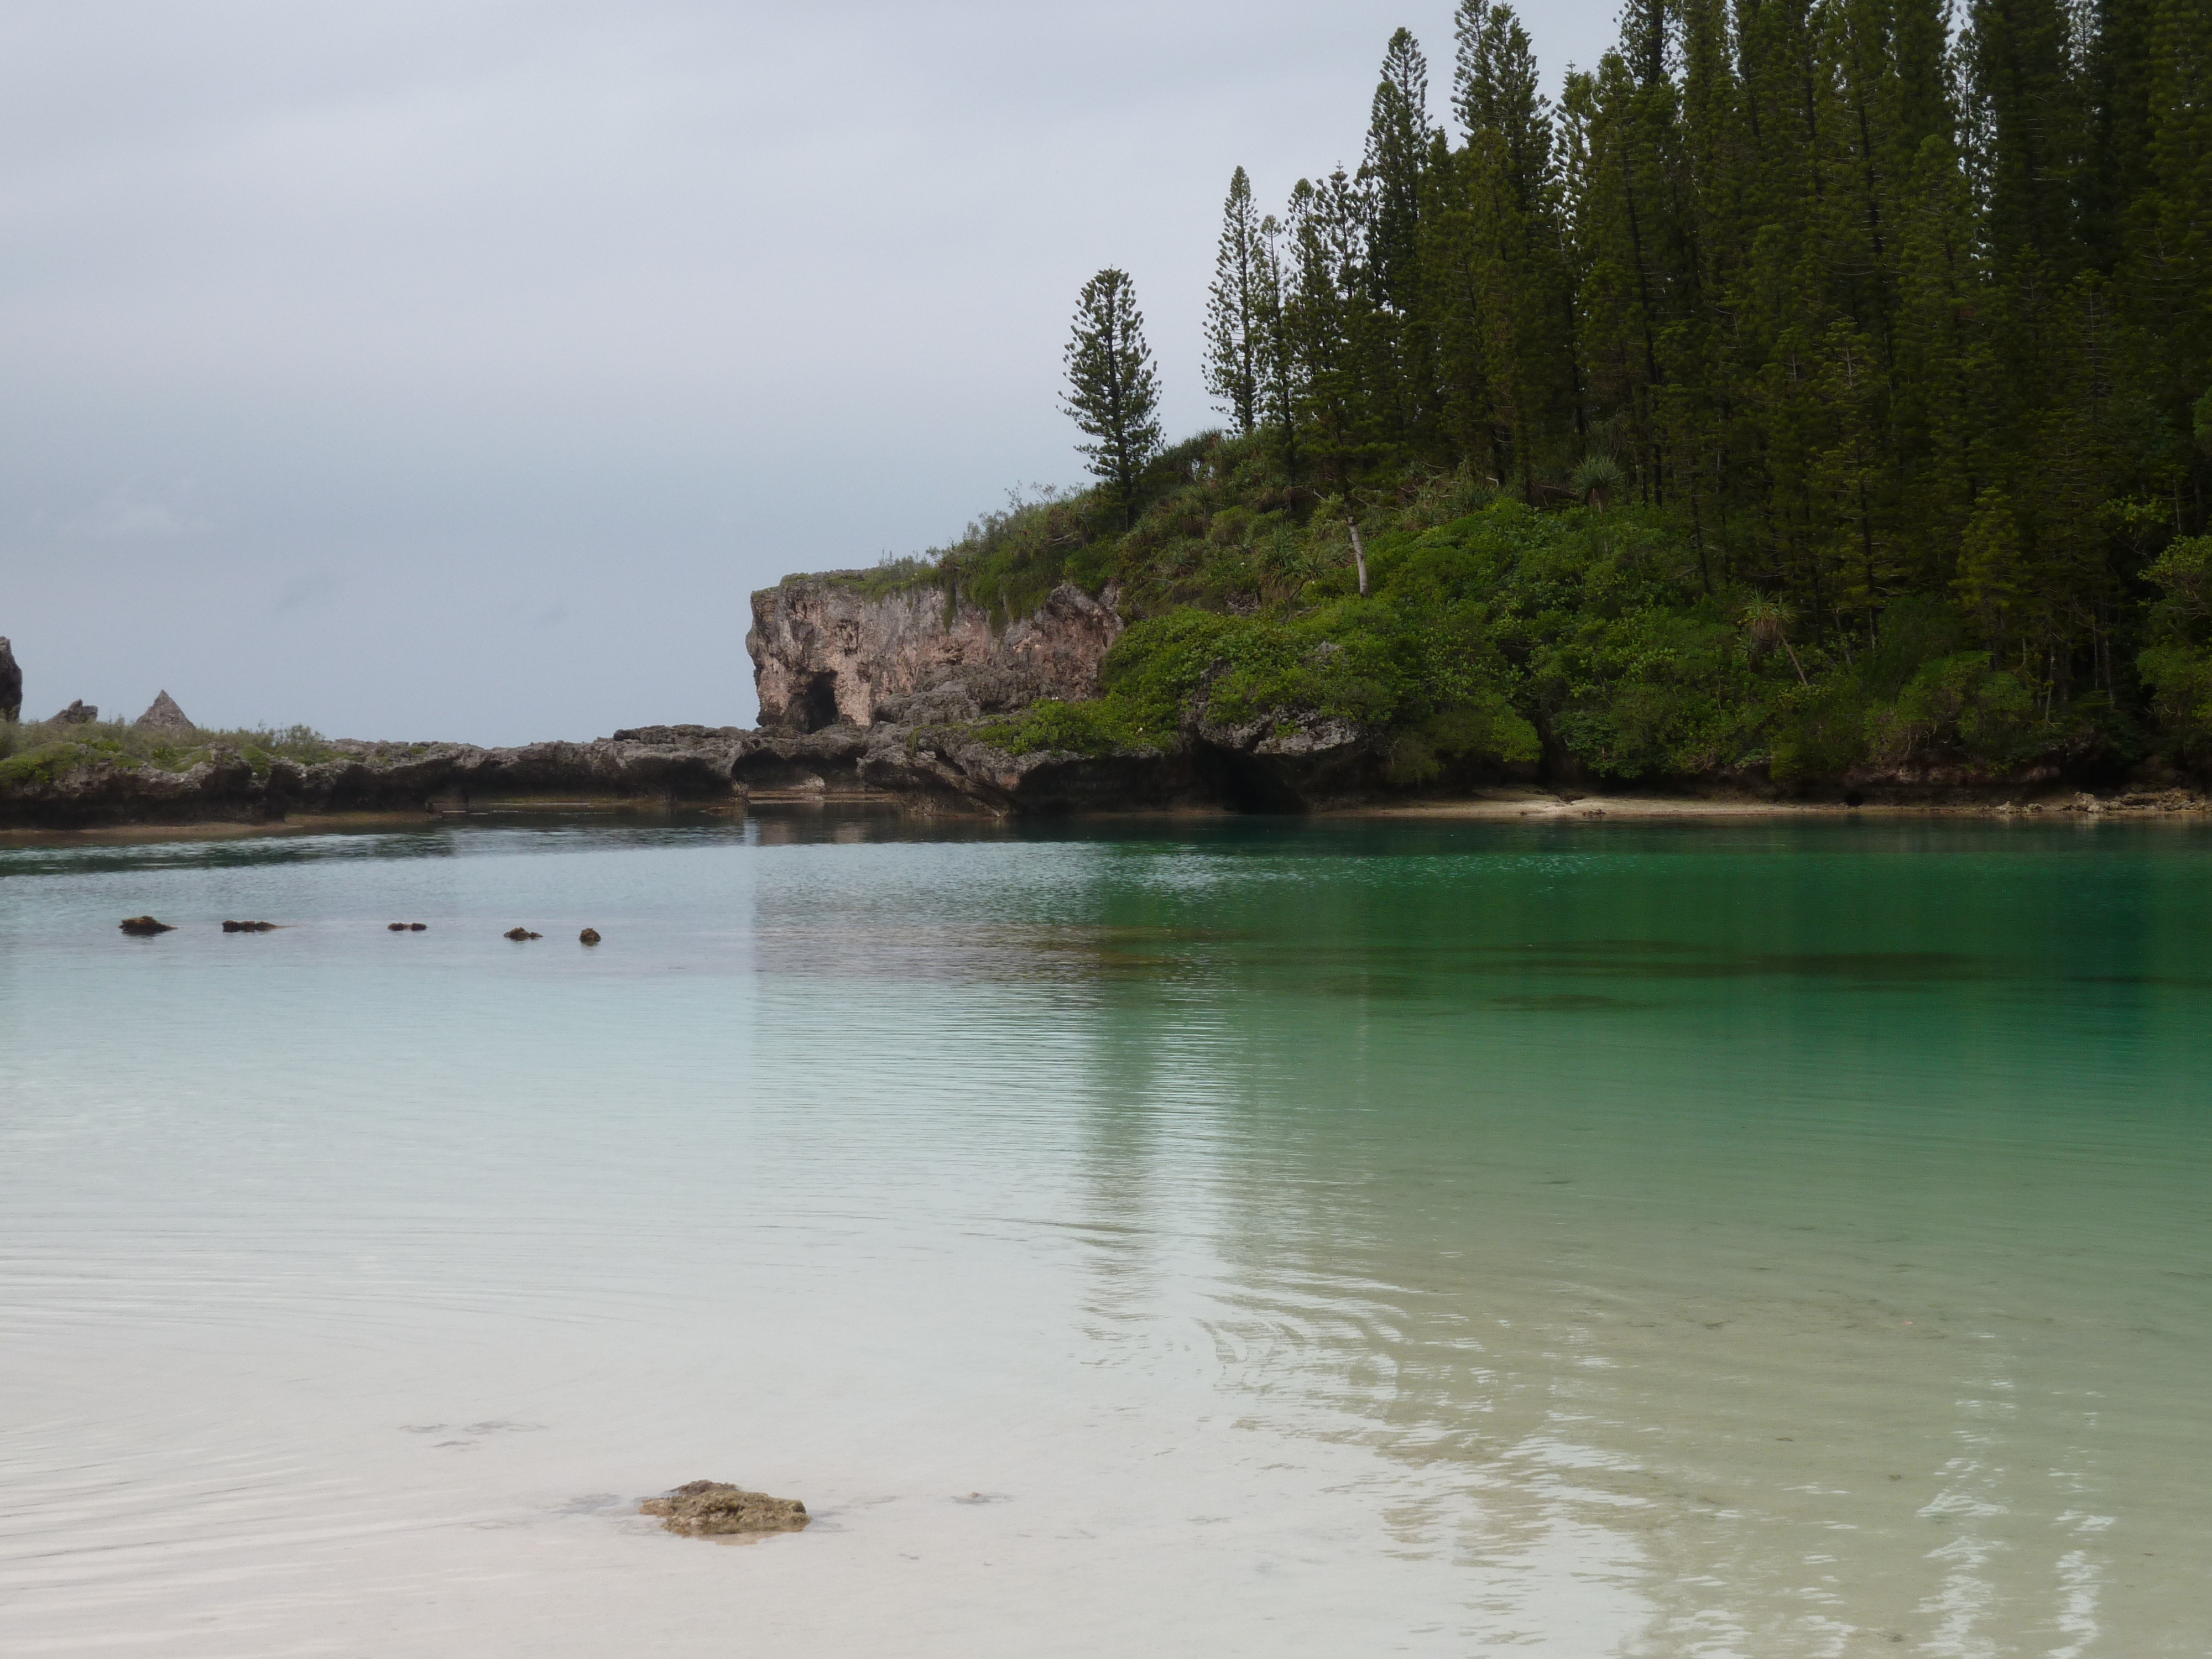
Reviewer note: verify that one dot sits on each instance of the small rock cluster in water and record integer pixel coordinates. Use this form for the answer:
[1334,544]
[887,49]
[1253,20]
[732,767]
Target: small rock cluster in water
[707,1508]
[146,926]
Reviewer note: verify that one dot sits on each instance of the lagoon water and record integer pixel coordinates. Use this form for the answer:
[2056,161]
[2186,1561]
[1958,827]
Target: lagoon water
[1331,1238]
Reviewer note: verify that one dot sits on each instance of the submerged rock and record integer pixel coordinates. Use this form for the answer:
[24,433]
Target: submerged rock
[163,714]
[249,927]
[143,927]
[707,1508]
[520,933]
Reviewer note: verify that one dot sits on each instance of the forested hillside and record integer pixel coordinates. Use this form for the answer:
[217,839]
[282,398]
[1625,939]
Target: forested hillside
[1813,387]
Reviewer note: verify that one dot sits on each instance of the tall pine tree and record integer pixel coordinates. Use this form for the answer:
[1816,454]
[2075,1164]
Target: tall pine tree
[1113,392]
[1236,325]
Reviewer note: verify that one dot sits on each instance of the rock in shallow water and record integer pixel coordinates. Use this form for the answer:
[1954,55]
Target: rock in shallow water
[707,1508]
[589,936]
[143,927]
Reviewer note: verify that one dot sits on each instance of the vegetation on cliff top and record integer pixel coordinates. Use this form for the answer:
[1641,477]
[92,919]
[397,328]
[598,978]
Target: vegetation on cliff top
[40,753]
[1813,387]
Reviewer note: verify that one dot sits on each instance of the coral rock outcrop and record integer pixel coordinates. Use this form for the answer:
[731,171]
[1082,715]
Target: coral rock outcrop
[709,1509]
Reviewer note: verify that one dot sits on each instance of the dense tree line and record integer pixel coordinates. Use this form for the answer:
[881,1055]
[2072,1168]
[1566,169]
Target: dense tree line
[1871,307]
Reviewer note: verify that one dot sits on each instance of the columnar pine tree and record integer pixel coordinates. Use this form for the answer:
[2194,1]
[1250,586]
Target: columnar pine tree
[1113,392]
[1236,308]
[1281,387]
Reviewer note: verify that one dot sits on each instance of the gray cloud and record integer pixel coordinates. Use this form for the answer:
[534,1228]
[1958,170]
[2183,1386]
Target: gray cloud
[616,310]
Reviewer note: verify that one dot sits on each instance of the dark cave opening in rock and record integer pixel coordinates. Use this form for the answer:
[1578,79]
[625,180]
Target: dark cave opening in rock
[818,703]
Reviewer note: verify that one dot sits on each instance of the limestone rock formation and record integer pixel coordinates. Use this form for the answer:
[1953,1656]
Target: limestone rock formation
[163,714]
[882,692]
[11,683]
[826,652]
[79,713]
[707,1508]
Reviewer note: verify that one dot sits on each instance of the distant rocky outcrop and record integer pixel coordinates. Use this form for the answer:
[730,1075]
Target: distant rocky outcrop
[709,1509]
[163,714]
[79,713]
[11,683]
[827,652]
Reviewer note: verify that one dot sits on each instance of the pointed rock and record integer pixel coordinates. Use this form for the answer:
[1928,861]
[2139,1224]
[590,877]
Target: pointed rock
[163,716]
[79,713]
[11,684]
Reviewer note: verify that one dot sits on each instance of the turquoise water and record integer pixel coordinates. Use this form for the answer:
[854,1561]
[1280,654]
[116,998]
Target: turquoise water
[1324,1239]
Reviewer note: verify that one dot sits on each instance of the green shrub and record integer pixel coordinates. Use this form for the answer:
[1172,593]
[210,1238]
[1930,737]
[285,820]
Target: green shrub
[1098,726]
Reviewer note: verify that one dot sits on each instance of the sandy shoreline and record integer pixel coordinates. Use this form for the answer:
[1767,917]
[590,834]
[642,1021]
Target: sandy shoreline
[1515,804]
[1530,802]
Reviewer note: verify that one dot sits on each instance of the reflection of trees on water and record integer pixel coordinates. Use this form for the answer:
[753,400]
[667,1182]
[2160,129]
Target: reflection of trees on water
[1694,1245]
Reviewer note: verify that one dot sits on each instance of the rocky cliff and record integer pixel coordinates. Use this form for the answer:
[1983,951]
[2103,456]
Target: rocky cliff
[827,651]
[895,692]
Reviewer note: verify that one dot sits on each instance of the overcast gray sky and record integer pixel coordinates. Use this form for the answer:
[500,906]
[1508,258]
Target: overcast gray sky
[457,369]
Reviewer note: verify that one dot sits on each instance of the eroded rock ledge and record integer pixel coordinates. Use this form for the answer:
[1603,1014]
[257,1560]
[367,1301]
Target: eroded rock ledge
[657,762]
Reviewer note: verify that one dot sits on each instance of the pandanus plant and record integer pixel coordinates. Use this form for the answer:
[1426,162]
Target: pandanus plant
[1767,621]
[1596,481]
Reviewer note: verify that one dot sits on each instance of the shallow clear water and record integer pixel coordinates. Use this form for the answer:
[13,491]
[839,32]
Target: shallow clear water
[1191,1238]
